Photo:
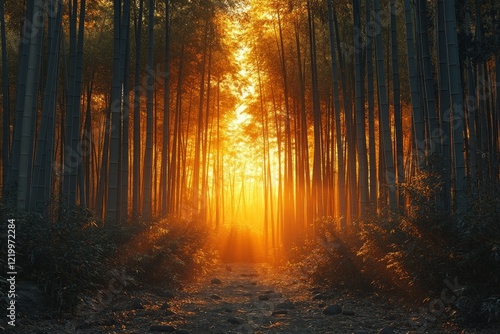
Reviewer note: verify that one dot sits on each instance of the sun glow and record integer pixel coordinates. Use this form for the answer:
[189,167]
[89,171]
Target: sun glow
[246,174]
[244,184]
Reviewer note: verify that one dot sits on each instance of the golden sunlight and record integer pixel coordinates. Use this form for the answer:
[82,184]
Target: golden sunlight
[242,238]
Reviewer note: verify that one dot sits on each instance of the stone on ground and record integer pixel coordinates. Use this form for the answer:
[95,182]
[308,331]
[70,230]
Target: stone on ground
[162,328]
[215,281]
[264,297]
[332,309]
[169,313]
[322,296]
[137,304]
[235,321]
[182,331]
[287,305]
[163,293]
[280,312]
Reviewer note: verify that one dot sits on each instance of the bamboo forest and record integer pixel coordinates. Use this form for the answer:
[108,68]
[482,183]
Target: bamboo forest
[253,166]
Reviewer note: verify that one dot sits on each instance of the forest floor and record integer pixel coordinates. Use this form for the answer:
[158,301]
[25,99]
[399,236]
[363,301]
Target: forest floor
[244,298]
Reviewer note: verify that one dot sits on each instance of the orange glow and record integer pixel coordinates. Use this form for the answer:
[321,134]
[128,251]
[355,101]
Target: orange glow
[244,166]
[241,245]
[244,171]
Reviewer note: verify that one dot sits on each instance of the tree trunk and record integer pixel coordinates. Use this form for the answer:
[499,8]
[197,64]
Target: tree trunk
[197,149]
[371,104]
[5,156]
[471,108]
[350,142]
[72,153]
[416,102]
[457,107]
[443,201]
[336,95]
[317,191]
[148,157]
[428,84]
[136,200]
[24,48]
[124,158]
[28,117]
[42,172]
[165,199]
[397,106]
[360,110]
[384,111]
[112,206]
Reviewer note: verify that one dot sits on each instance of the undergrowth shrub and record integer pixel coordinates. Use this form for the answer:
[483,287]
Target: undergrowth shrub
[167,252]
[64,258]
[330,258]
[382,241]
[424,247]
[412,253]
[477,258]
[76,255]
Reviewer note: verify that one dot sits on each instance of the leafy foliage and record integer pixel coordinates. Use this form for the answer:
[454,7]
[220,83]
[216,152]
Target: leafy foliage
[330,258]
[65,258]
[167,251]
[413,252]
[76,254]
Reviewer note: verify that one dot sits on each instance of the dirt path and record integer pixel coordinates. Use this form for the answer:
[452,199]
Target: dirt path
[244,298]
[256,299]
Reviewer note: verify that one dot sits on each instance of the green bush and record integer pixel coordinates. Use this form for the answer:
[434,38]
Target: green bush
[75,254]
[330,258]
[411,253]
[422,247]
[64,258]
[167,252]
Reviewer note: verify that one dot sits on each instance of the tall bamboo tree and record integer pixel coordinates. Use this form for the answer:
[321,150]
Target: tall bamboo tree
[5,156]
[371,104]
[317,192]
[41,183]
[416,100]
[398,125]
[148,157]
[457,106]
[360,109]
[443,200]
[384,109]
[112,203]
[137,116]
[336,97]
[29,107]
[166,119]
